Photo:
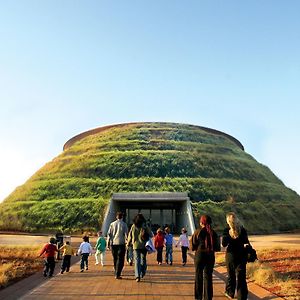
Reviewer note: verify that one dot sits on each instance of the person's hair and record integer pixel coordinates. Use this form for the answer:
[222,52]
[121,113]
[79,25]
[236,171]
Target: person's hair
[159,230]
[119,215]
[234,225]
[139,220]
[206,221]
[52,240]
[85,238]
[67,242]
[167,230]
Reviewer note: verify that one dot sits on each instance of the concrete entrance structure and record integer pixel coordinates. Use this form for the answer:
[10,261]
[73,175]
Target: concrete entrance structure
[159,209]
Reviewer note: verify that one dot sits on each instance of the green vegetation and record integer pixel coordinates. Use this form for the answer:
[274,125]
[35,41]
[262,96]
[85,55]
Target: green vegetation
[71,215]
[257,216]
[72,190]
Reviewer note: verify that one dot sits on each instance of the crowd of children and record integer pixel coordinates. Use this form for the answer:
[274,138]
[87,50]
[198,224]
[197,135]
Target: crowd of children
[162,238]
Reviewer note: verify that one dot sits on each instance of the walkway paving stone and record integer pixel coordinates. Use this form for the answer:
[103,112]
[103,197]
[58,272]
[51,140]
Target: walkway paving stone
[160,282]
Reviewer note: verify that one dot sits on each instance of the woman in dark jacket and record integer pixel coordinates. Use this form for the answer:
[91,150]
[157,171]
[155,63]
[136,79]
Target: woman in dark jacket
[139,234]
[235,238]
[205,242]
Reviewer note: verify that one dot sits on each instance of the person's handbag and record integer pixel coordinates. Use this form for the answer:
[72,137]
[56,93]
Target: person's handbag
[150,247]
[251,254]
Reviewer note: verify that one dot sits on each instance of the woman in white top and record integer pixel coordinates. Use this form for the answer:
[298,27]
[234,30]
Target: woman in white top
[184,242]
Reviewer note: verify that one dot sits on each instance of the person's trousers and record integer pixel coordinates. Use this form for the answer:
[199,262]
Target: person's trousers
[169,253]
[66,262]
[140,263]
[159,254]
[100,257]
[49,265]
[184,253]
[204,265]
[236,277]
[118,253]
[84,261]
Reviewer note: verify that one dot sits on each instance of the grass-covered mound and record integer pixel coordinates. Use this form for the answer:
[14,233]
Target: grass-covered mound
[70,192]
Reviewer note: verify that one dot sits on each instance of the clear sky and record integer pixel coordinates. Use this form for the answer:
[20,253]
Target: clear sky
[69,66]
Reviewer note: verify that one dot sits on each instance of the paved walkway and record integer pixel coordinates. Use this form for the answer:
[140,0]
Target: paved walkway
[160,282]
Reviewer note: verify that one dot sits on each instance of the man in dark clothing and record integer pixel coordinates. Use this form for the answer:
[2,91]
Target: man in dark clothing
[116,239]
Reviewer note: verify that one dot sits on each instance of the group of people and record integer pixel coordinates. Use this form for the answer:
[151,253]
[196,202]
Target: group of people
[204,241]
[85,250]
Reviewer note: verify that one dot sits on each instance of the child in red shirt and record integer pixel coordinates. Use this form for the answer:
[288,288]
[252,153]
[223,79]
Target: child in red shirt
[159,244]
[48,253]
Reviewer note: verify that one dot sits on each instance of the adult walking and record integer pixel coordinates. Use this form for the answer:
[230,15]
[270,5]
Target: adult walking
[138,236]
[235,238]
[116,239]
[205,242]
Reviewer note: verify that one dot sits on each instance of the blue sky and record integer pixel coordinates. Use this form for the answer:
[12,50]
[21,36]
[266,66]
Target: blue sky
[69,66]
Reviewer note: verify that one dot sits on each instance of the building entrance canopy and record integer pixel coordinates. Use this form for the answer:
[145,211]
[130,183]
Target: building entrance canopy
[159,209]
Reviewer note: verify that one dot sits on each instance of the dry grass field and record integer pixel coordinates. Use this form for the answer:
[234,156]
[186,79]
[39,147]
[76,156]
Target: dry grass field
[17,262]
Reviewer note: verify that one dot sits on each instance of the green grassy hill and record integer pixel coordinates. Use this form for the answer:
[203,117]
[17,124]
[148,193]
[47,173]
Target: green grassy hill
[70,193]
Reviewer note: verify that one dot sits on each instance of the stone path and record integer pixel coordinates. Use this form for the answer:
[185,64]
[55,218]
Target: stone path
[161,282]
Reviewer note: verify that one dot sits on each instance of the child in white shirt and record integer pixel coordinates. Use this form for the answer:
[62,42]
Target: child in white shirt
[85,249]
[184,242]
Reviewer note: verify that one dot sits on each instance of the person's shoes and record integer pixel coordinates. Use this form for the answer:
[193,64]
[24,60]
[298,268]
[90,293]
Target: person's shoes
[167,262]
[61,272]
[171,263]
[118,277]
[81,270]
[86,268]
[159,263]
[50,275]
[102,264]
[131,263]
[138,279]
[142,275]
[96,264]
[228,296]
[45,274]
[183,264]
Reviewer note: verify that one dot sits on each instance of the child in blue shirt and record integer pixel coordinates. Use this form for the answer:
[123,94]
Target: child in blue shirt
[169,246]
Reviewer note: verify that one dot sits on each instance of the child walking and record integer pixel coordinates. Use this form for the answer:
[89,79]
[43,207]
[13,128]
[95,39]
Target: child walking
[85,249]
[68,251]
[48,253]
[159,240]
[169,246]
[100,249]
[184,242]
